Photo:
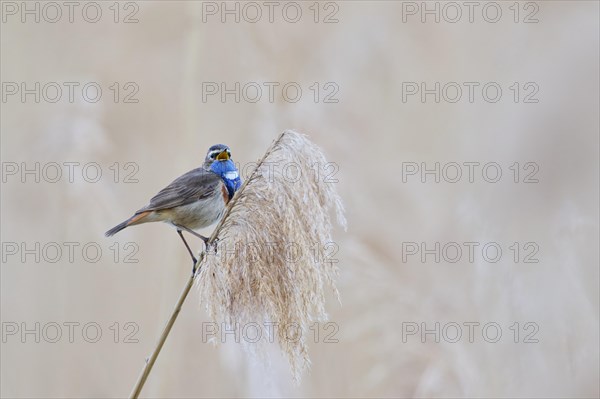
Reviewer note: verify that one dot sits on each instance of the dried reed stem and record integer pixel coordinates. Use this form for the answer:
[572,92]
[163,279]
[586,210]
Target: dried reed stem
[165,333]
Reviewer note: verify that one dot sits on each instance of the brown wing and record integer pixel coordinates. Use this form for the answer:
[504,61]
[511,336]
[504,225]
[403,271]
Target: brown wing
[192,186]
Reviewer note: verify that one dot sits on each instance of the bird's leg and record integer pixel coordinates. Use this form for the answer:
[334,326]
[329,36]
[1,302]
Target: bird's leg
[189,250]
[179,227]
[205,239]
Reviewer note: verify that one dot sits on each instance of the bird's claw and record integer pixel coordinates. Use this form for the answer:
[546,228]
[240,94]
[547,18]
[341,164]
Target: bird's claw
[212,246]
[194,266]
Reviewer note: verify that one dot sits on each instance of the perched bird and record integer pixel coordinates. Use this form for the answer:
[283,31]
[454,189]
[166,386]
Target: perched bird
[194,200]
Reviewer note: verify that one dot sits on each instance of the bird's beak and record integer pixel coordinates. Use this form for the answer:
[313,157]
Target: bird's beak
[224,156]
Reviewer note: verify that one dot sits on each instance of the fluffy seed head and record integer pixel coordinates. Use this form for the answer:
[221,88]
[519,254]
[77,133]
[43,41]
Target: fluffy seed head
[271,265]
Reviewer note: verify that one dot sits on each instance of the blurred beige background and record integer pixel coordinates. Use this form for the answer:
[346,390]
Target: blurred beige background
[177,46]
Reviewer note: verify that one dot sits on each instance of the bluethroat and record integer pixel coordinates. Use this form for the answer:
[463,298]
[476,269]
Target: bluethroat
[194,200]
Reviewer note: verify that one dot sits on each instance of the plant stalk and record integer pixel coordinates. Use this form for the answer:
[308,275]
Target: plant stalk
[137,389]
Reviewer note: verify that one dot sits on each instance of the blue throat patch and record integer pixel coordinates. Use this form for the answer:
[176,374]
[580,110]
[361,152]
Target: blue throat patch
[229,174]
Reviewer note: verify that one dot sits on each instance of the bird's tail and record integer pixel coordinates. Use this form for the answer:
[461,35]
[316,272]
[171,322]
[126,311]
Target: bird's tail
[135,219]
[116,229]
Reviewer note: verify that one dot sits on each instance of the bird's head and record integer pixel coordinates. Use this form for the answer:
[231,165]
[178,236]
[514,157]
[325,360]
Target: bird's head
[217,153]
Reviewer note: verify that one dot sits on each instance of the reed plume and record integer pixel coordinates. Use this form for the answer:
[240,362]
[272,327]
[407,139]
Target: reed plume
[270,265]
